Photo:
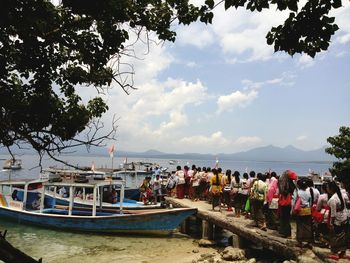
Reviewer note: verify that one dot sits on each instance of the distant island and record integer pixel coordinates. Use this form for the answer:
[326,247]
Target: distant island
[267,153]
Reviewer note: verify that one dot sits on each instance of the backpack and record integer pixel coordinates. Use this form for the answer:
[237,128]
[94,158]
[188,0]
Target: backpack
[255,194]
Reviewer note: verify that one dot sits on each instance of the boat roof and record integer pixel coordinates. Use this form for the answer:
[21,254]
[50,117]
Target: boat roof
[71,171]
[22,181]
[88,184]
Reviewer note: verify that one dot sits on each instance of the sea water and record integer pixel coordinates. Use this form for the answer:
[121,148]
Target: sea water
[62,246]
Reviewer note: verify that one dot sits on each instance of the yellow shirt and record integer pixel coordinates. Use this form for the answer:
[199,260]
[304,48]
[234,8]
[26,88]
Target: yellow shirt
[216,186]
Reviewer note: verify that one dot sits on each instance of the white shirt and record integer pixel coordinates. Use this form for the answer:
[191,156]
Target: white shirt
[316,194]
[340,216]
[157,184]
[180,174]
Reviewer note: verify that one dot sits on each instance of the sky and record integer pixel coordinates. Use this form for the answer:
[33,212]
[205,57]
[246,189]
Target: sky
[221,89]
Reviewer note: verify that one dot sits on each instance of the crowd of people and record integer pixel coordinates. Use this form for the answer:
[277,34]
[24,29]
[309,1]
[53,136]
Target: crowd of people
[271,201]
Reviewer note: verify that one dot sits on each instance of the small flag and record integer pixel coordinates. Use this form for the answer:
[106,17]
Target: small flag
[216,163]
[111,151]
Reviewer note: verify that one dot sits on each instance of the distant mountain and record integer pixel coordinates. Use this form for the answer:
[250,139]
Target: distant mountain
[273,153]
[266,153]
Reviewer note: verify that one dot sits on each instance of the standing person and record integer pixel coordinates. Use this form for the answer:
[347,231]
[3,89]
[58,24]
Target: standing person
[180,187]
[226,184]
[258,197]
[145,190]
[215,189]
[303,218]
[208,194]
[244,190]
[187,176]
[272,201]
[286,188]
[157,188]
[339,226]
[236,196]
[322,226]
[171,183]
[195,183]
[250,183]
[314,190]
[203,181]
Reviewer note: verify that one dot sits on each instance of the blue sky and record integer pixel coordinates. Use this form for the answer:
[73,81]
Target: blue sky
[221,89]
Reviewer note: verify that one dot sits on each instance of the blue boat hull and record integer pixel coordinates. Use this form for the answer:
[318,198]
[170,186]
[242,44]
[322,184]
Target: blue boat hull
[140,222]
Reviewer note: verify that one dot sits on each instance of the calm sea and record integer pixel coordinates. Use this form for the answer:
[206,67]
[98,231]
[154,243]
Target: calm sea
[61,246]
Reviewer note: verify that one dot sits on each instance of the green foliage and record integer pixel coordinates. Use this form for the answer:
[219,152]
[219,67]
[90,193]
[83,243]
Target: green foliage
[340,148]
[46,50]
[307,30]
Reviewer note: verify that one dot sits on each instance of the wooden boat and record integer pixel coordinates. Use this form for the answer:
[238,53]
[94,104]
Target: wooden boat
[132,174]
[131,195]
[12,164]
[84,201]
[90,219]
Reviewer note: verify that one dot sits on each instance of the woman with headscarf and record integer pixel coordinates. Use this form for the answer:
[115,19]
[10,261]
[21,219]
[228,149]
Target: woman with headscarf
[286,188]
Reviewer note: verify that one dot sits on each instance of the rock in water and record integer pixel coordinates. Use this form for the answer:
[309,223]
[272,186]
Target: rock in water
[233,254]
[206,243]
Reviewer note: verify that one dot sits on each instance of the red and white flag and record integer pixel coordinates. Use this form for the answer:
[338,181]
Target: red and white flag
[111,151]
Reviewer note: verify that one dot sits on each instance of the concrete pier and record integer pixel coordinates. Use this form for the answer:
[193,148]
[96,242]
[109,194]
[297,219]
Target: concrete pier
[241,228]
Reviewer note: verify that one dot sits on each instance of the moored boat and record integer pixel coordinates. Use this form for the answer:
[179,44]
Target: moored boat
[91,219]
[12,164]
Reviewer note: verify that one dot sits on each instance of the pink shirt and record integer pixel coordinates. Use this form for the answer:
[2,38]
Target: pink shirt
[272,189]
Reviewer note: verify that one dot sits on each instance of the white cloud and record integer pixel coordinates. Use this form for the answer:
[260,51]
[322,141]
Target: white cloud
[197,34]
[218,143]
[248,141]
[215,139]
[177,119]
[305,61]
[191,64]
[242,34]
[275,81]
[342,16]
[341,54]
[155,114]
[237,98]
[301,138]
[250,92]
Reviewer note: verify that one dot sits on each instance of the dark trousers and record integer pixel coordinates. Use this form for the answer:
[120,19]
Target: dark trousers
[285,228]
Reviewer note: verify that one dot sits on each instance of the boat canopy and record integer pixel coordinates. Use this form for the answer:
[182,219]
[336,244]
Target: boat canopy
[71,184]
